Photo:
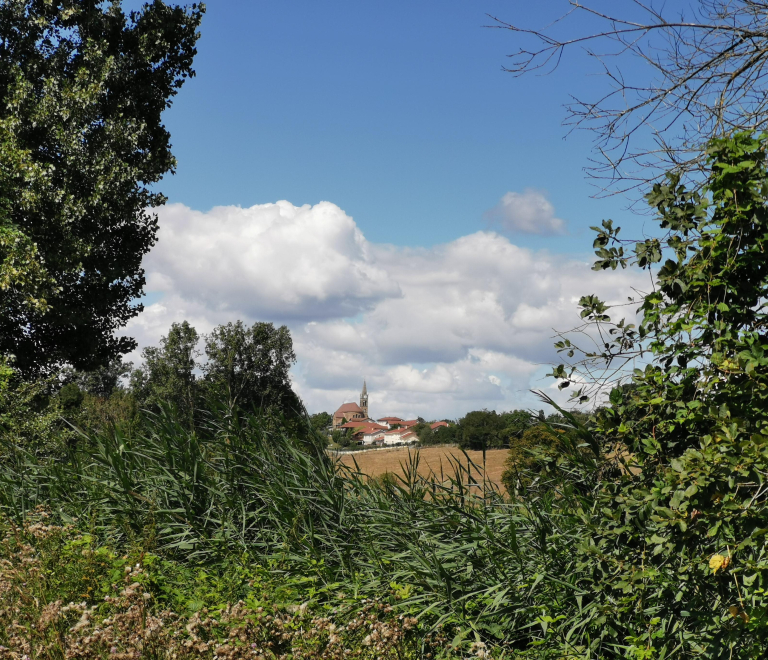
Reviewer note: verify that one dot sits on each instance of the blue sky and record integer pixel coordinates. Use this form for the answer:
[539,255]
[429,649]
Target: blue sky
[399,118]
[398,112]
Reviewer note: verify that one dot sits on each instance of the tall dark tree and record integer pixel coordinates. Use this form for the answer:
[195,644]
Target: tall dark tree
[168,372]
[480,429]
[82,89]
[249,367]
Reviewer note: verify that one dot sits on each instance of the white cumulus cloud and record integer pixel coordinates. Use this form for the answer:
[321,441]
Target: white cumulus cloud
[528,212]
[435,331]
[269,260]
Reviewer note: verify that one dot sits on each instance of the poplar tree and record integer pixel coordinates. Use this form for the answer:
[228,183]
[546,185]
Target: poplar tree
[83,85]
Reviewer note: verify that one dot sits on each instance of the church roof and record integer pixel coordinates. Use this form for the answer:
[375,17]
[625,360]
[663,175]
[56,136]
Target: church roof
[348,407]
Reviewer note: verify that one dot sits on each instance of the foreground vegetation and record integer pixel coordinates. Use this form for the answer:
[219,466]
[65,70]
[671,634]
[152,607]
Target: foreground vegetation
[638,535]
[241,493]
[204,517]
[138,605]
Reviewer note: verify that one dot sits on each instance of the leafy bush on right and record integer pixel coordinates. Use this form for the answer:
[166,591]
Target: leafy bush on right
[672,562]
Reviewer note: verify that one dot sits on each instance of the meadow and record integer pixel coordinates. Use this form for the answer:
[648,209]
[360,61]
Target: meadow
[433,462]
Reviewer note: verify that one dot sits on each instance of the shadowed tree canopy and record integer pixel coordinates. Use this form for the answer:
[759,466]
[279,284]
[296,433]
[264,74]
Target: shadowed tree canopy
[101,382]
[82,89]
[486,429]
[249,367]
[167,375]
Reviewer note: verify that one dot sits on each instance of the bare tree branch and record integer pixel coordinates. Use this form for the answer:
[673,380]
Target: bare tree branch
[706,76]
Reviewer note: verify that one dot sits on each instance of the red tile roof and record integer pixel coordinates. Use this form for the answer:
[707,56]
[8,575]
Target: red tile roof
[390,419]
[410,422]
[361,426]
[348,407]
[398,431]
[438,424]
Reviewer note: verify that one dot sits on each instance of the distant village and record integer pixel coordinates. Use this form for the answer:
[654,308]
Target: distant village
[375,432]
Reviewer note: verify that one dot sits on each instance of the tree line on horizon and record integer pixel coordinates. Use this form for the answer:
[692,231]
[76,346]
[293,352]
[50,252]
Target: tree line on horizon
[238,367]
[477,430]
[244,367]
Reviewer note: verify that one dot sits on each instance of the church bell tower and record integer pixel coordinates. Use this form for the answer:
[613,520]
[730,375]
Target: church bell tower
[364,400]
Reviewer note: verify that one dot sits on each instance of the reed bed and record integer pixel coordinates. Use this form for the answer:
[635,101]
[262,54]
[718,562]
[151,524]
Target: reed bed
[456,551]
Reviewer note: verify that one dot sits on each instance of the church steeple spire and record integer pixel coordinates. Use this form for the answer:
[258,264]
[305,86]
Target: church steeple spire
[364,400]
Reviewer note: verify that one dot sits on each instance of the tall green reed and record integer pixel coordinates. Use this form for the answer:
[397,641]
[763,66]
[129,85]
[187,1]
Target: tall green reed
[453,547]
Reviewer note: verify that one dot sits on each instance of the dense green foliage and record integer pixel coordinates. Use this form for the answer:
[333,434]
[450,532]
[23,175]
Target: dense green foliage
[676,548]
[30,413]
[321,421]
[248,367]
[245,368]
[45,412]
[443,435]
[101,382]
[82,90]
[529,456]
[487,429]
[167,376]
[67,594]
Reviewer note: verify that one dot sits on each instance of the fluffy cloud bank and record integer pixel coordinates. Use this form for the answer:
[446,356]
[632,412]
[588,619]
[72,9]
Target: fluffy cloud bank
[529,212]
[435,331]
[272,260]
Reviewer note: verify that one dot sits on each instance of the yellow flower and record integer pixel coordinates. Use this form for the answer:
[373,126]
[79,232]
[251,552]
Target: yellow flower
[718,562]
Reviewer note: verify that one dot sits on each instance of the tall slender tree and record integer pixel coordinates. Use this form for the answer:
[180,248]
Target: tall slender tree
[83,85]
[168,373]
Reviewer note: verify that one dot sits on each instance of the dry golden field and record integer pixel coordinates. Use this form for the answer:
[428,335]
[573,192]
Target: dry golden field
[376,462]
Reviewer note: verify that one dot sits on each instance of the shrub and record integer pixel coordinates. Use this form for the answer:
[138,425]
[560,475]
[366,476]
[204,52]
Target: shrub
[30,414]
[63,594]
[674,561]
[529,456]
[71,397]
